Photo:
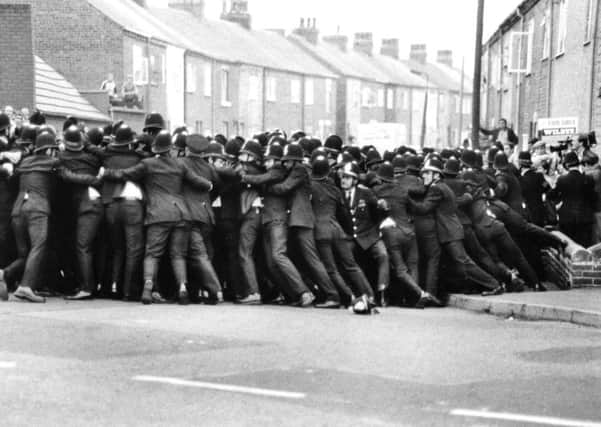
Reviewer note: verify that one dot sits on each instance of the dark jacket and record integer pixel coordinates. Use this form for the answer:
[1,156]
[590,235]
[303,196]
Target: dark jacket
[509,190]
[464,199]
[397,199]
[576,192]
[440,199]
[297,188]
[511,136]
[329,210]
[595,175]
[37,176]
[534,185]
[275,208]
[248,192]
[79,171]
[198,200]
[163,178]
[116,158]
[364,215]
[228,195]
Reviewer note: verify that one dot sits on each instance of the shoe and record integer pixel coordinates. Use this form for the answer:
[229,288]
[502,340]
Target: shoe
[428,300]
[252,299]
[499,290]
[517,284]
[328,304]
[80,296]
[278,300]
[306,300]
[147,293]
[3,287]
[183,298]
[539,287]
[27,294]
[382,300]
[157,298]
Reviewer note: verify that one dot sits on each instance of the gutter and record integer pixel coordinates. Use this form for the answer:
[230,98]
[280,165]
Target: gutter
[551,56]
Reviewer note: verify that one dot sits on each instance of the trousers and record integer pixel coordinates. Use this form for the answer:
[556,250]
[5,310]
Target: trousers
[160,237]
[86,228]
[403,253]
[250,230]
[466,269]
[125,226]
[31,236]
[199,263]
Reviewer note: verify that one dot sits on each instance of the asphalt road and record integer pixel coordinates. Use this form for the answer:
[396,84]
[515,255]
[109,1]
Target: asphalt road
[111,363]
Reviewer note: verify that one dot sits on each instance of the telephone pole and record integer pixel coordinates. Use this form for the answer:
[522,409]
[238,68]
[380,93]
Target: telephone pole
[477,77]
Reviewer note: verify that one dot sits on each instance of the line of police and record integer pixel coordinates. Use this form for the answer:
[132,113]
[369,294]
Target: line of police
[268,220]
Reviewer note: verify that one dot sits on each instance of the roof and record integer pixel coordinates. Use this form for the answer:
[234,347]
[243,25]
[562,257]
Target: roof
[438,75]
[455,75]
[347,63]
[55,95]
[229,42]
[398,72]
[136,19]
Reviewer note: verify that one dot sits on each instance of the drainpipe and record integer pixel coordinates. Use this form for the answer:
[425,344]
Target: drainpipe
[500,100]
[410,103]
[148,71]
[303,103]
[519,80]
[593,57]
[550,64]
[264,100]
[186,77]
[213,97]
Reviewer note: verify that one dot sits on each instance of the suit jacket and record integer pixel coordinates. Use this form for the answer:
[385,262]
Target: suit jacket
[511,136]
[275,208]
[37,182]
[163,178]
[464,199]
[248,192]
[79,171]
[509,190]
[534,185]
[440,200]
[229,195]
[576,192]
[116,158]
[595,175]
[397,199]
[329,210]
[198,200]
[297,188]
[364,216]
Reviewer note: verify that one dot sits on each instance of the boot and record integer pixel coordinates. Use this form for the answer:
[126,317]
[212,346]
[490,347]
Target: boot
[147,293]
[183,297]
[3,287]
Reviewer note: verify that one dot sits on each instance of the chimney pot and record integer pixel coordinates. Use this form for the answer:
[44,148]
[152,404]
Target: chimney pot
[364,42]
[445,57]
[390,47]
[419,53]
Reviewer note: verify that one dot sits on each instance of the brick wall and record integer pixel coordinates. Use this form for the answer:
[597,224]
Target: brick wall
[283,113]
[16,71]
[319,121]
[198,112]
[250,112]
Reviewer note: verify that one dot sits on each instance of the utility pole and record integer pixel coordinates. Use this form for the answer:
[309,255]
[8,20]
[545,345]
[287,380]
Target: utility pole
[461,95]
[477,77]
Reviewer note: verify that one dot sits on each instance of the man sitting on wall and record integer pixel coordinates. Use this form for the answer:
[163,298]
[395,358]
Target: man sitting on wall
[129,93]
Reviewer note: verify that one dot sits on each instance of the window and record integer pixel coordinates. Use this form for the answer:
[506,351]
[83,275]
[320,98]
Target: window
[208,79]
[271,89]
[253,88]
[190,78]
[467,106]
[328,96]
[546,35]
[295,91]
[368,97]
[380,98]
[225,87]
[225,129]
[198,126]
[140,66]
[530,47]
[309,91]
[588,34]
[157,67]
[562,27]
[390,98]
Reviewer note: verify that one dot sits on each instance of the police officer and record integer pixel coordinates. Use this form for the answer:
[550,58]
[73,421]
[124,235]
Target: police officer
[362,204]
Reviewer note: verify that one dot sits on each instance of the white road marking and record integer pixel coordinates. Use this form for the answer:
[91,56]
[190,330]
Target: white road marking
[7,365]
[221,387]
[531,419]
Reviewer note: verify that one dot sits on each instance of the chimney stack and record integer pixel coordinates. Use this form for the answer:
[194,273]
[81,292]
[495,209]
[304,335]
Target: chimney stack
[238,14]
[445,57]
[390,47]
[195,7]
[419,53]
[364,42]
[308,31]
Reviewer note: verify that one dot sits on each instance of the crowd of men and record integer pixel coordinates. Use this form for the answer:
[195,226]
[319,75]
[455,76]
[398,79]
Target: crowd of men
[158,216]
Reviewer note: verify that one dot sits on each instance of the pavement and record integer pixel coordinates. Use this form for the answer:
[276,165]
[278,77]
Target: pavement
[577,306]
[109,363]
